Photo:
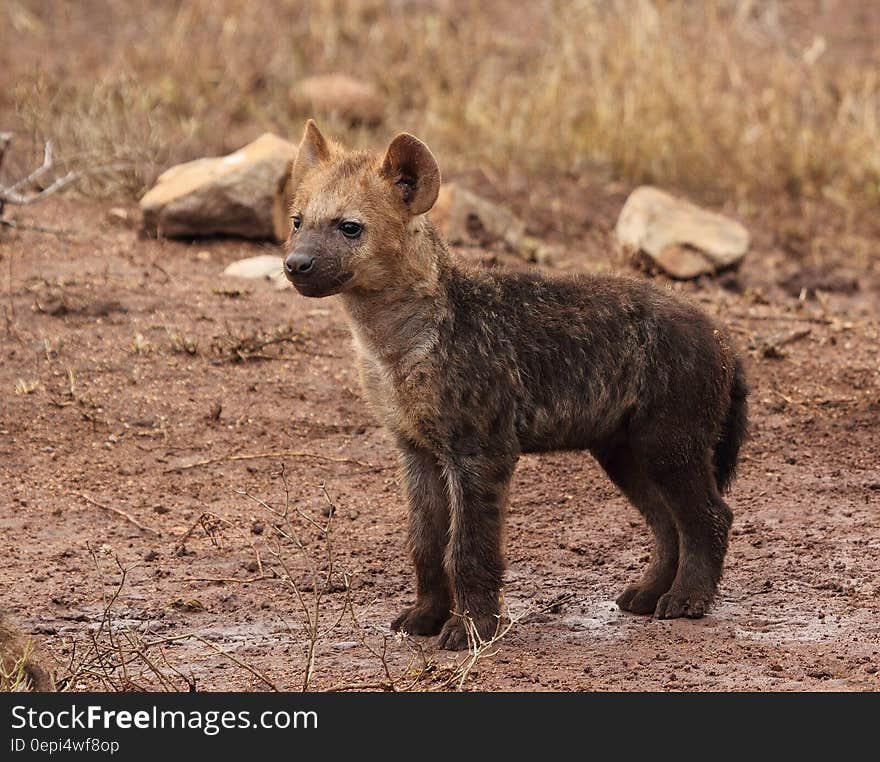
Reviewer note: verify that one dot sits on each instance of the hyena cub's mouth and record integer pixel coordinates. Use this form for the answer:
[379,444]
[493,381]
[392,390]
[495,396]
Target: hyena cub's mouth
[320,287]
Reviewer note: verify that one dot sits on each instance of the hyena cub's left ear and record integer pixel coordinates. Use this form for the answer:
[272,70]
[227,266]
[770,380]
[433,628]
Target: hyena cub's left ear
[411,167]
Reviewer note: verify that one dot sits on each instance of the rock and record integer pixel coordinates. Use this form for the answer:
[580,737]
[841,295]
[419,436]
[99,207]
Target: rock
[228,195]
[279,280]
[464,218]
[341,96]
[121,217]
[682,239]
[264,266]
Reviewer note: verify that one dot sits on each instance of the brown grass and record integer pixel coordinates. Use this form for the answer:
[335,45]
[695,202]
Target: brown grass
[719,97]
[298,553]
[14,677]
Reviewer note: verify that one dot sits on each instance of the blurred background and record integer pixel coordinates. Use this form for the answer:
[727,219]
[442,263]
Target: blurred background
[724,98]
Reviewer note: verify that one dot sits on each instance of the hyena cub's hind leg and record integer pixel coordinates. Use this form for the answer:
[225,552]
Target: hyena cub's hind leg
[625,471]
[703,520]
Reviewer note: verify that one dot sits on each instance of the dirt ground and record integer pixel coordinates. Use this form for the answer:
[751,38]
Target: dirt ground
[126,364]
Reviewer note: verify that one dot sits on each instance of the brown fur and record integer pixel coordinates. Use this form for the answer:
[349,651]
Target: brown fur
[470,368]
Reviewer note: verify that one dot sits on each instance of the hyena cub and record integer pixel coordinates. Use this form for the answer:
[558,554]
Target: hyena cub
[470,368]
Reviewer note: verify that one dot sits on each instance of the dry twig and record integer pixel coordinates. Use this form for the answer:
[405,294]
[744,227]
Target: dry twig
[264,455]
[127,516]
[241,347]
[13,194]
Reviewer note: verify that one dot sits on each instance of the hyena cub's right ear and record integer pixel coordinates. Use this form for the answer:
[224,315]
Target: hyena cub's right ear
[411,167]
[313,150]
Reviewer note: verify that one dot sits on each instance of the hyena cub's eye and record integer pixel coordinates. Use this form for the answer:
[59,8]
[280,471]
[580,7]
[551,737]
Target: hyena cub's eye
[297,221]
[350,228]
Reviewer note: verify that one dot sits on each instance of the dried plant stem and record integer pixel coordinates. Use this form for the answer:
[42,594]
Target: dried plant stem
[263,456]
[127,516]
[11,194]
[241,663]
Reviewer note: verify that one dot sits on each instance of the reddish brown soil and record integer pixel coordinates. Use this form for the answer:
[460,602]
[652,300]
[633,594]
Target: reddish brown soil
[799,606]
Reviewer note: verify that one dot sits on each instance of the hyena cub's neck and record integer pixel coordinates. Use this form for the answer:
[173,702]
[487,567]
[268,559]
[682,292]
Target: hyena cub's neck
[398,324]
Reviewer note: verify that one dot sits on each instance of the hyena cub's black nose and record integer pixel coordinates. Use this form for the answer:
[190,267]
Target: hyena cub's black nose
[298,264]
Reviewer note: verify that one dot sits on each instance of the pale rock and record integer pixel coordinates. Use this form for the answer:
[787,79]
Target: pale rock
[238,194]
[121,217]
[280,282]
[341,96]
[682,239]
[264,266]
[465,218]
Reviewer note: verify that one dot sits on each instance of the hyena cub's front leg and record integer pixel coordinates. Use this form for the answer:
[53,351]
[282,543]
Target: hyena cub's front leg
[428,535]
[477,488]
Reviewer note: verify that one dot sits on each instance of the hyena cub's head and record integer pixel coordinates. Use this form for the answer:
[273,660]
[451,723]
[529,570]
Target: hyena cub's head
[356,215]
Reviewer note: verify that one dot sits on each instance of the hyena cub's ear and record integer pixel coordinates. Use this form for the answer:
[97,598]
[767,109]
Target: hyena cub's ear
[313,150]
[413,170]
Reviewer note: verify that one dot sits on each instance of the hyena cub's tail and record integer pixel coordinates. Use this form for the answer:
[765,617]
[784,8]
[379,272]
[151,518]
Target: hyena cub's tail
[736,425]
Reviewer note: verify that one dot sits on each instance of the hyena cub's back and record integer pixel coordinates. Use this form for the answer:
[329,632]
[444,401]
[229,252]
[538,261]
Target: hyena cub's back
[469,369]
[583,360]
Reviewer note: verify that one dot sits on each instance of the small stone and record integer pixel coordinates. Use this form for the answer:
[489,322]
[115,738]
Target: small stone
[121,217]
[190,604]
[263,266]
[340,96]
[280,282]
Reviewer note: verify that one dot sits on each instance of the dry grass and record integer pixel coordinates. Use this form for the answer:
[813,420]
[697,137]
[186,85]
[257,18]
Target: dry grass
[719,97]
[114,655]
[14,677]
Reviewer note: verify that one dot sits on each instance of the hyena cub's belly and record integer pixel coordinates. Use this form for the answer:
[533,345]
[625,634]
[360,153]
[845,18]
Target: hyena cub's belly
[580,415]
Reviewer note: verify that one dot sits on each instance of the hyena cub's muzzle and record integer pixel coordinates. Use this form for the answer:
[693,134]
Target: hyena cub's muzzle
[314,272]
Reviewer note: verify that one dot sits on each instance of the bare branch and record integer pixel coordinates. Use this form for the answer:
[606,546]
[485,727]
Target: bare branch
[12,194]
[262,455]
[127,516]
[8,196]
[48,163]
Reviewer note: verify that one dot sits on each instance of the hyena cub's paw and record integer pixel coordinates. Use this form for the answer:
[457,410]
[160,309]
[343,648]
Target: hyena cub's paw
[682,602]
[421,620]
[457,634]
